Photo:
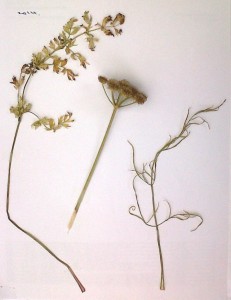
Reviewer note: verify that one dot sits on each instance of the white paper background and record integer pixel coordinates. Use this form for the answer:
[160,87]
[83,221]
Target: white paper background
[178,53]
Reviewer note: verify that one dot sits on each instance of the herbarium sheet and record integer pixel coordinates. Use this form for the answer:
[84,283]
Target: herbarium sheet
[114,152]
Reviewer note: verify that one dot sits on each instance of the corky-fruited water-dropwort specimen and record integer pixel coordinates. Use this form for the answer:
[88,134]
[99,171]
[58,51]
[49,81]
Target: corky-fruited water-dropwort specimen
[122,94]
[147,174]
[46,59]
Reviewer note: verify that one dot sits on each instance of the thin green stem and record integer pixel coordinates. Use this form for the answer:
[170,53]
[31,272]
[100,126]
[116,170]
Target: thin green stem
[162,280]
[82,194]
[127,104]
[22,229]
[89,31]
[107,95]
[18,93]
[85,32]
[34,114]
[123,100]
[25,85]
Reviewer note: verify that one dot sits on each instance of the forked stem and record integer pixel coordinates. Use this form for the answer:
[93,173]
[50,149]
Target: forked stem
[148,175]
[19,227]
[87,182]
[162,280]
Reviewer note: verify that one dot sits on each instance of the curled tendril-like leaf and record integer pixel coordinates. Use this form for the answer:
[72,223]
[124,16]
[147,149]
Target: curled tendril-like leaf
[182,216]
[149,177]
[131,211]
[185,215]
[144,174]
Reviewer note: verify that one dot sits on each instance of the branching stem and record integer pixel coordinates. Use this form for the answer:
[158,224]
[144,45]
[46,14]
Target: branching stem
[25,85]
[148,176]
[22,229]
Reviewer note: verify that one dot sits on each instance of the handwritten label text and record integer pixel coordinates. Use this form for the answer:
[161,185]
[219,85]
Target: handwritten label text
[26,13]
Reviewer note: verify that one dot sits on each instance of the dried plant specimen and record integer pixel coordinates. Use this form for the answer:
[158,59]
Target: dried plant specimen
[52,57]
[122,94]
[147,175]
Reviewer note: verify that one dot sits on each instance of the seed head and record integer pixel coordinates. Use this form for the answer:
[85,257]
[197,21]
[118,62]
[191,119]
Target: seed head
[102,79]
[124,88]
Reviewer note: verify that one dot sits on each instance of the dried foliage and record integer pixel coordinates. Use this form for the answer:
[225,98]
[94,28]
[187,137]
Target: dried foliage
[56,56]
[49,123]
[21,108]
[148,172]
[58,53]
[67,41]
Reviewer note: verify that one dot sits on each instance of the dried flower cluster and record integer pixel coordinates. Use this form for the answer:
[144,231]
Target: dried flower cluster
[123,93]
[147,174]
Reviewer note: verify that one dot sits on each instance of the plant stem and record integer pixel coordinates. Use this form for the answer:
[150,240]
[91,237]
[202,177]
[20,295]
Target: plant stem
[25,85]
[19,227]
[81,196]
[162,281]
